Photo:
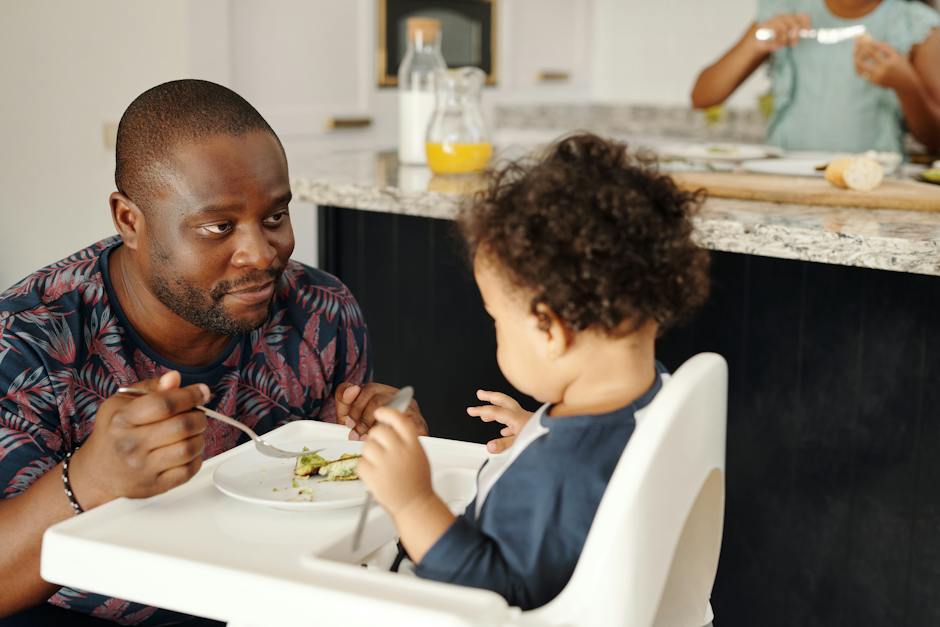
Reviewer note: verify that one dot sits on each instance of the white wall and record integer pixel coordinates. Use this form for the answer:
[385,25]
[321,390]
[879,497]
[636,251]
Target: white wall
[651,52]
[67,68]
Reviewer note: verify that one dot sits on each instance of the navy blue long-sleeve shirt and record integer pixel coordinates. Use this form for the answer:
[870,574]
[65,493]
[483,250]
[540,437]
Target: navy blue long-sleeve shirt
[525,539]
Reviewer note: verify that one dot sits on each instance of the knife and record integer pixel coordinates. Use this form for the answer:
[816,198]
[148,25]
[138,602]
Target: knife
[822,35]
[399,403]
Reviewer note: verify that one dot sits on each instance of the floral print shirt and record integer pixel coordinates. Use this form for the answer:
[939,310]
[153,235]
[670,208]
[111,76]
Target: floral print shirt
[66,346]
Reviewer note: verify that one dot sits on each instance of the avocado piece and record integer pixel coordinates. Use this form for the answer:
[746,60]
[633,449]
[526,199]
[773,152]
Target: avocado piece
[932,175]
[307,465]
[342,469]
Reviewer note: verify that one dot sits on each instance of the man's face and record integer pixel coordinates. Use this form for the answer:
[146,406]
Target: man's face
[219,232]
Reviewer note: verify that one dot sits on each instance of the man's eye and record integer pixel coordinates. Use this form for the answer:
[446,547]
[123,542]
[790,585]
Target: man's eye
[218,229]
[276,219]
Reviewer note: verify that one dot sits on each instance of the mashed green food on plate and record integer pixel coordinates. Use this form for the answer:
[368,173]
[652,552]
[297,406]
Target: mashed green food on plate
[340,469]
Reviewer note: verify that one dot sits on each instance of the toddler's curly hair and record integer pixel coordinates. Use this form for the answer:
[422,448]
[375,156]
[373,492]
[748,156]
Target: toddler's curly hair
[593,232]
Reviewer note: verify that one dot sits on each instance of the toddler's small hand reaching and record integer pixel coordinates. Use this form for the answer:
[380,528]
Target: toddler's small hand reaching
[504,410]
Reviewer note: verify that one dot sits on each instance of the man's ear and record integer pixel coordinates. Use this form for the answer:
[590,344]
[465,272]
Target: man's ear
[557,337]
[128,219]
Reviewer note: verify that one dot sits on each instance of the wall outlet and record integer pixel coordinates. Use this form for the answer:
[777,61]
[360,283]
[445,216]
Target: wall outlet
[109,134]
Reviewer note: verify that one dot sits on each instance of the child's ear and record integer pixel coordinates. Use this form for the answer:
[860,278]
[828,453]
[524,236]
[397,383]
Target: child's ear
[556,335]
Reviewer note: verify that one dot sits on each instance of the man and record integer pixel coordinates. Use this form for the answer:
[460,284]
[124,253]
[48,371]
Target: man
[197,301]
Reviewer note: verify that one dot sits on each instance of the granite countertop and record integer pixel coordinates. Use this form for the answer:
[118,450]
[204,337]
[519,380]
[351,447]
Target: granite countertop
[901,241]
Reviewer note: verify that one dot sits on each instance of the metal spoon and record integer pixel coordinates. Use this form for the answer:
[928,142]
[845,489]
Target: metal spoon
[263,447]
[399,403]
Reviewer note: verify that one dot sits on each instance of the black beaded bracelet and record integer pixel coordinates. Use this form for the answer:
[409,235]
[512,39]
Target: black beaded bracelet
[68,486]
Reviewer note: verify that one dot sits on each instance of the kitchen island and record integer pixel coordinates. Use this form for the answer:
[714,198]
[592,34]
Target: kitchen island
[827,319]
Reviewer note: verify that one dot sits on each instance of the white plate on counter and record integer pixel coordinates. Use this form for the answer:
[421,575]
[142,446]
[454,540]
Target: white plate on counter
[261,480]
[785,166]
[805,163]
[716,151]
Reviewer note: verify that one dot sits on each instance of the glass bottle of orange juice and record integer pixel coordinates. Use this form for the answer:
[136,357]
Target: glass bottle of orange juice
[458,141]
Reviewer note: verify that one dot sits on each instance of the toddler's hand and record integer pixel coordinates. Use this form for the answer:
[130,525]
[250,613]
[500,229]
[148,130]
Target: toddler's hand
[504,410]
[393,465]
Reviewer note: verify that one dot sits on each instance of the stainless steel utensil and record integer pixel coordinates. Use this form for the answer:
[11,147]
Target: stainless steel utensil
[822,35]
[399,402]
[263,447]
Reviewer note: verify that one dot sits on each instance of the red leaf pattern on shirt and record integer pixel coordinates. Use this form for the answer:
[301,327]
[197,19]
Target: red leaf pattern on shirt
[64,349]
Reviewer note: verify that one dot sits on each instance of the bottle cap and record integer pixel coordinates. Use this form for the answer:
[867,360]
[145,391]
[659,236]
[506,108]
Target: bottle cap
[429,28]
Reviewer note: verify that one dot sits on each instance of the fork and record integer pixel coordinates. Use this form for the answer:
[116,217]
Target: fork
[263,447]
[399,403]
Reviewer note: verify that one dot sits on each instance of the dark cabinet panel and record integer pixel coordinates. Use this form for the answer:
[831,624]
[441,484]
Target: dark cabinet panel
[426,320]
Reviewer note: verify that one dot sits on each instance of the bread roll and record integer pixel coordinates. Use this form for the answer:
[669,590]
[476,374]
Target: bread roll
[859,173]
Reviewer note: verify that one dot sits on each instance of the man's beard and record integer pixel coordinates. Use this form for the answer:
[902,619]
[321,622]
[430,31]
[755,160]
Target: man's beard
[203,308]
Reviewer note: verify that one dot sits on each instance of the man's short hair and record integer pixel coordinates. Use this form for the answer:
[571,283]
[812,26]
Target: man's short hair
[166,115]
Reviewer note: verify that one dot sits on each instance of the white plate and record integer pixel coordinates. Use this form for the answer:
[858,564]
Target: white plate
[790,167]
[716,151]
[261,480]
[803,163]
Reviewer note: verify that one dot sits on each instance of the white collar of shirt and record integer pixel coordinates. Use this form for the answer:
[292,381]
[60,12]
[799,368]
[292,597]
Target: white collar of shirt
[532,431]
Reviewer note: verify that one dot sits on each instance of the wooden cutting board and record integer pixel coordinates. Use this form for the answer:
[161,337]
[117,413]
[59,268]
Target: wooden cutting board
[804,190]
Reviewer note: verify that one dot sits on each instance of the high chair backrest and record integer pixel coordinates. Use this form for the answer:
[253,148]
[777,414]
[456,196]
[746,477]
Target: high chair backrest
[652,552]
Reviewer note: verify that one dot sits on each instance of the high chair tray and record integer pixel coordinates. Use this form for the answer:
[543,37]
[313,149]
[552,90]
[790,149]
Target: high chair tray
[196,550]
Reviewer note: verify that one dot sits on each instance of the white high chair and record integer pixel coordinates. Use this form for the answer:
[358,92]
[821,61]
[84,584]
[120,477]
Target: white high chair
[649,559]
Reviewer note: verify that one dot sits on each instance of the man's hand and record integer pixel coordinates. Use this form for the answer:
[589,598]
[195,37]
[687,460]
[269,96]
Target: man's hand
[393,465]
[356,405]
[144,445]
[880,64]
[504,410]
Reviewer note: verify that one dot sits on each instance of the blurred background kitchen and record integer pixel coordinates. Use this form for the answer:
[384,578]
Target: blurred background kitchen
[303,63]
[824,299]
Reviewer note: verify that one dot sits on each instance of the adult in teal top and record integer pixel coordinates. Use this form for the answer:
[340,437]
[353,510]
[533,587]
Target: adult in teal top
[856,95]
